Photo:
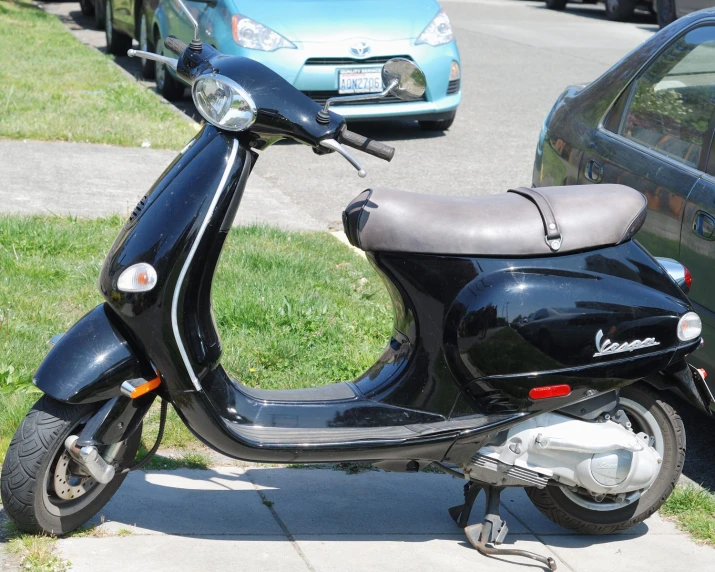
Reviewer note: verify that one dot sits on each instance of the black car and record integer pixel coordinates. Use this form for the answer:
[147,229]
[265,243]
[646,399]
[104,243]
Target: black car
[669,10]
[649,123]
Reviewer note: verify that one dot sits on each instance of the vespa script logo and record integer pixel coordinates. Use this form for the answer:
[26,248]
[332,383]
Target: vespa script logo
[608,347]
[360,49]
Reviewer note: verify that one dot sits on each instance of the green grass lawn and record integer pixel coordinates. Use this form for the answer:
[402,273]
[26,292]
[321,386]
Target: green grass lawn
[293,309]
[55,88]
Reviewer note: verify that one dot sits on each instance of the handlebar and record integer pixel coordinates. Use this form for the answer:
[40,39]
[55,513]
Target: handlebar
[175,45]
[370,146]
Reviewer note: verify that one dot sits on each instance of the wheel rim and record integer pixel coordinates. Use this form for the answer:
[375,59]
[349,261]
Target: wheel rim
[77,491]
[612,5]
[143,42]
[108,21]
[642,420]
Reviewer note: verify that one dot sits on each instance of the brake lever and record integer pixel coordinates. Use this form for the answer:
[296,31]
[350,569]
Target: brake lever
[335,146]
[171,62]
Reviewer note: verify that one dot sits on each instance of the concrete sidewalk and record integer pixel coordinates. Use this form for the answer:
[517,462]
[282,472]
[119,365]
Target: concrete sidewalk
[259,519]
[88,180]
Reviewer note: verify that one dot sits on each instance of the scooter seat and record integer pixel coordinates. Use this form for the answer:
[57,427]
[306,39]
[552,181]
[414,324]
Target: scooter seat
[509,224]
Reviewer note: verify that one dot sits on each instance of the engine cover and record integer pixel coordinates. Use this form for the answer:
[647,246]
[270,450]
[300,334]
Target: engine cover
[603,458]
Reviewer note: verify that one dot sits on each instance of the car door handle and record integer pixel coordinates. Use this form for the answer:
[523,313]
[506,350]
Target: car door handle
[594,171]
[704,225]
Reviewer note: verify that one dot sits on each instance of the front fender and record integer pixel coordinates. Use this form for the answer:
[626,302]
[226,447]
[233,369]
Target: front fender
[90,362]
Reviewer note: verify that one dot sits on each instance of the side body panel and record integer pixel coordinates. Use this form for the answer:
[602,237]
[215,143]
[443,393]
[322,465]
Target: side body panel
[697,252]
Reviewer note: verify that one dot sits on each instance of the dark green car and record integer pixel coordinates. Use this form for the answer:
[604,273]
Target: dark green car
[649,123]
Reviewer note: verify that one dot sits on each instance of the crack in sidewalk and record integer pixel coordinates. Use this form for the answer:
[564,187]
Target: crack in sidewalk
[284,528]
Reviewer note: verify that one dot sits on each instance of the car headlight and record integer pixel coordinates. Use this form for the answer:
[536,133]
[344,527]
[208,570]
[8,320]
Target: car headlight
[223,103]
[437,32]
[250,34]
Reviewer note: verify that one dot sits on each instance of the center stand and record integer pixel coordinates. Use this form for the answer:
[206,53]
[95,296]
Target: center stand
[491,532]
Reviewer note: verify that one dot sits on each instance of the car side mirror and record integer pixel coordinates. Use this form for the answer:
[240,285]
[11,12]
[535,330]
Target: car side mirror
[408,81]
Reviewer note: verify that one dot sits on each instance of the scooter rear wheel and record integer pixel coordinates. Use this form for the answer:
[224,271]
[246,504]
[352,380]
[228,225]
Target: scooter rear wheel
[43,491]
[576,511]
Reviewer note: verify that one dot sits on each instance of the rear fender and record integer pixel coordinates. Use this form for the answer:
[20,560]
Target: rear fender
[90,362]
[687,382]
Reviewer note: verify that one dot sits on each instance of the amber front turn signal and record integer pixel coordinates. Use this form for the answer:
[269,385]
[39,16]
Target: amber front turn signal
[134,391]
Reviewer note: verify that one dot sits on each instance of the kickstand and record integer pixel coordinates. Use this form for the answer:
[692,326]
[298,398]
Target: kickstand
[486,536]
[460,513]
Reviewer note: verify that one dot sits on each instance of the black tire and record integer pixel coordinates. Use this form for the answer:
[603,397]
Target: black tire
[620,10]
[87,7]
[117,42]
[556,4]
[666,12]
[438,124]
[167,85]
[145,44]
[28,496]
[556,505]
[99,14]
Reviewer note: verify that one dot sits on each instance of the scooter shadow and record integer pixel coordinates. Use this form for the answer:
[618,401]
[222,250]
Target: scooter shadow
[231,502]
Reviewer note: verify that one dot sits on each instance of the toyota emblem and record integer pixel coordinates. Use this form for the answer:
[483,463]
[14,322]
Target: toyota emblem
[360,49]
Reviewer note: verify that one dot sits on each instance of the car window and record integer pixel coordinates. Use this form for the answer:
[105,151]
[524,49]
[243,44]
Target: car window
[672,103]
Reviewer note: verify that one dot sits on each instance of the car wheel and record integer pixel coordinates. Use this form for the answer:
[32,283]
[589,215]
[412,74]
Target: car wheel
[438,124]
[98,14]
[579,511]
[117,42]
[556,4]
[147,66]
[168,87]
[620,10]
[666,12]
[87,7]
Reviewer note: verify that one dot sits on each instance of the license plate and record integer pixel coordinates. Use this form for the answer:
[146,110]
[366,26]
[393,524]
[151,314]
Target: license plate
[364,80]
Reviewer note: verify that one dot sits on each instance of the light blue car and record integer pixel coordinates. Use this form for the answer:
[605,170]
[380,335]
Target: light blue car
[329,47]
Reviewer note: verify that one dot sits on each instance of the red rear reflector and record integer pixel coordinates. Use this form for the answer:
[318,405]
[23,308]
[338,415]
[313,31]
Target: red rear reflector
[688,278]
[549,391]
[703,372]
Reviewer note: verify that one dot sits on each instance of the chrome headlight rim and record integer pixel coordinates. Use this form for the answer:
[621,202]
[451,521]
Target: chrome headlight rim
[234,86]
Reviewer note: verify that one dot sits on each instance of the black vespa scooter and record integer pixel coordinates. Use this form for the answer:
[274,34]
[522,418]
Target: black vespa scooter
[522,322]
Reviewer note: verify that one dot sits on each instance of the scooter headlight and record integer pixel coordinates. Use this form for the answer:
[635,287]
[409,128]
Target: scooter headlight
[224,103]
[689,327]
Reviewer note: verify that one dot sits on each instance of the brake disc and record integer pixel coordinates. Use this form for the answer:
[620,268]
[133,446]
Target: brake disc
[68,485]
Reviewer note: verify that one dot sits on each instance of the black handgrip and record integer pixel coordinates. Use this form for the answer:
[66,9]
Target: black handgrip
[370,146]
[174,45]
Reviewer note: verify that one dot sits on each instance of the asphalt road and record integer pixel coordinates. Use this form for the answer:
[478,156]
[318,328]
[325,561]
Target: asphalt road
[517,57]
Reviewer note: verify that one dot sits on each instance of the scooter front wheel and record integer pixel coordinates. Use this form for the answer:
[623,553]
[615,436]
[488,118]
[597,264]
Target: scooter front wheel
[43,489]
[579,511]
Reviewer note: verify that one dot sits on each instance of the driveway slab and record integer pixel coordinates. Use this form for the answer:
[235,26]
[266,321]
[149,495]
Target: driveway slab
[178,554]
[271,518]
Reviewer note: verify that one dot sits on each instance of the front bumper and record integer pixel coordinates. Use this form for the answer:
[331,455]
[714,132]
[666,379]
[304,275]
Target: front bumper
[314,67]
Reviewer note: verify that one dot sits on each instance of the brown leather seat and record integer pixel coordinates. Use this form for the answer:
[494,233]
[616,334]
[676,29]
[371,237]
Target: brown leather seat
[588,216]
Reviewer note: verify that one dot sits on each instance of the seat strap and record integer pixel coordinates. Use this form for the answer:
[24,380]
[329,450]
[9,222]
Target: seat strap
[553,234]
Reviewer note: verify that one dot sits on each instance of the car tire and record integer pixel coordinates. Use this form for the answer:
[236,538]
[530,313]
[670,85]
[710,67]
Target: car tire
[167,85]
[117,42]
[666,12]
[87,7]
[148,68]
[620,10]
[438,124]
[98,14]
[556,4]
[577,512]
